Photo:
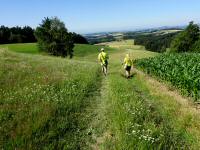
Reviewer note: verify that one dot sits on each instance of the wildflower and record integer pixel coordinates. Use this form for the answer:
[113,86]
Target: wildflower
[133,131]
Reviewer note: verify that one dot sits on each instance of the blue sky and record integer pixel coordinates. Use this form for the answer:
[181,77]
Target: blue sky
[86,16]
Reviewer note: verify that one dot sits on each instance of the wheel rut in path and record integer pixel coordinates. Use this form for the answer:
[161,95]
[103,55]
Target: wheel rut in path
[97,128]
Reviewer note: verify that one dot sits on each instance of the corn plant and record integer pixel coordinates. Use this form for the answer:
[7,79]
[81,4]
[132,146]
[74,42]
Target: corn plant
[181,70]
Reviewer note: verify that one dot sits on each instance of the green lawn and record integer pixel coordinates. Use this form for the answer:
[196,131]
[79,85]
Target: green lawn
[29,48]
[80,50]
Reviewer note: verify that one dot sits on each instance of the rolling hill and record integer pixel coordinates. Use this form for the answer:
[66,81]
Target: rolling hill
[57,103]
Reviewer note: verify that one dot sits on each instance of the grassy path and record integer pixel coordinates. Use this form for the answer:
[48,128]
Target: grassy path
[136,114]
[136,119]
[98,112]
[187,113]
[98,126]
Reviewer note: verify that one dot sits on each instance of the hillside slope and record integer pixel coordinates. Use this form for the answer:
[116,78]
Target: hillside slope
[42,100]
[55,103]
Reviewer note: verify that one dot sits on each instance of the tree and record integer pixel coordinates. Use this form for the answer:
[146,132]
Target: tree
[15,38]
[154,41]
[53,38]
[196,46]
[184,41]
[28,34]
[79,39]
[4,35]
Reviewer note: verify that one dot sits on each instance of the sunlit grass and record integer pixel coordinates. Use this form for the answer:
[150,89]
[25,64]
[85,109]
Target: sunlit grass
[41,100]
[30,48]
[138,121]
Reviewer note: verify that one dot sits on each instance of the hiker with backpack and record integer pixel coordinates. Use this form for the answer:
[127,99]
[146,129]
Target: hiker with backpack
[103,59]
[128,65]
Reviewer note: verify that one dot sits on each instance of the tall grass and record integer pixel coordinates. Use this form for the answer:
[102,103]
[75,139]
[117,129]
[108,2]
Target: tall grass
[138,121]
[42,99]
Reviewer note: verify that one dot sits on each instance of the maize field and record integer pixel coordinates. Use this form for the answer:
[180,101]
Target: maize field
[181,70]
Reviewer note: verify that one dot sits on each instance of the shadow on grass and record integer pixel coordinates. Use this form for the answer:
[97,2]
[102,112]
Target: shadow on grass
[131,76]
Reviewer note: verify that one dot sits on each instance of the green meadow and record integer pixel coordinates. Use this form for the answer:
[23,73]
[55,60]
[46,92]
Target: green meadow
[60,103]
[29,48]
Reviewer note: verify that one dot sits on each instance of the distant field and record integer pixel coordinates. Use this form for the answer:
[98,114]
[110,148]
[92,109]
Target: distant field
[161,32]
[30,48]
[109,37]
[82,50]
[126,44]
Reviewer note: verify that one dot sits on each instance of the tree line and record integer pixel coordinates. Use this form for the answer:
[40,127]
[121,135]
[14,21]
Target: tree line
[16,35]
[187,40]
[51,35]
[26,35]
[155,42]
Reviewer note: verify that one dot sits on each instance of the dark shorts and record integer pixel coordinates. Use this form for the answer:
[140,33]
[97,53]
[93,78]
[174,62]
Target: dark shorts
[105,64]
[128,68]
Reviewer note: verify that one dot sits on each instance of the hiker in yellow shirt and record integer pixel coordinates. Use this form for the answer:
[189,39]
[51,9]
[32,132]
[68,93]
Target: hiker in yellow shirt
[103,59]
[127,65]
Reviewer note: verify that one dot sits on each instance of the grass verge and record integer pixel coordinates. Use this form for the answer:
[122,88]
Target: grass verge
[42,101]
[138,121]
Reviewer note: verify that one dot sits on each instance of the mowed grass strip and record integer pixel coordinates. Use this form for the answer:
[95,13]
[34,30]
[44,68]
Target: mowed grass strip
[89,53]
[29,48]
[42,99]
[80,50]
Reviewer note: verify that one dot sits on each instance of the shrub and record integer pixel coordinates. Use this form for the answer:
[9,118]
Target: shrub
[196,46]
[53,37]
[184,41]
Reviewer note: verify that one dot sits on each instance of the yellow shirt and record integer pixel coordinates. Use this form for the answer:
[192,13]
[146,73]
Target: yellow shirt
[128,61]
[103,57]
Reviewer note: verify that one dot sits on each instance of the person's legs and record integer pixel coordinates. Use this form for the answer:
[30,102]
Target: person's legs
[128,71]
[105,70]
[102,68]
